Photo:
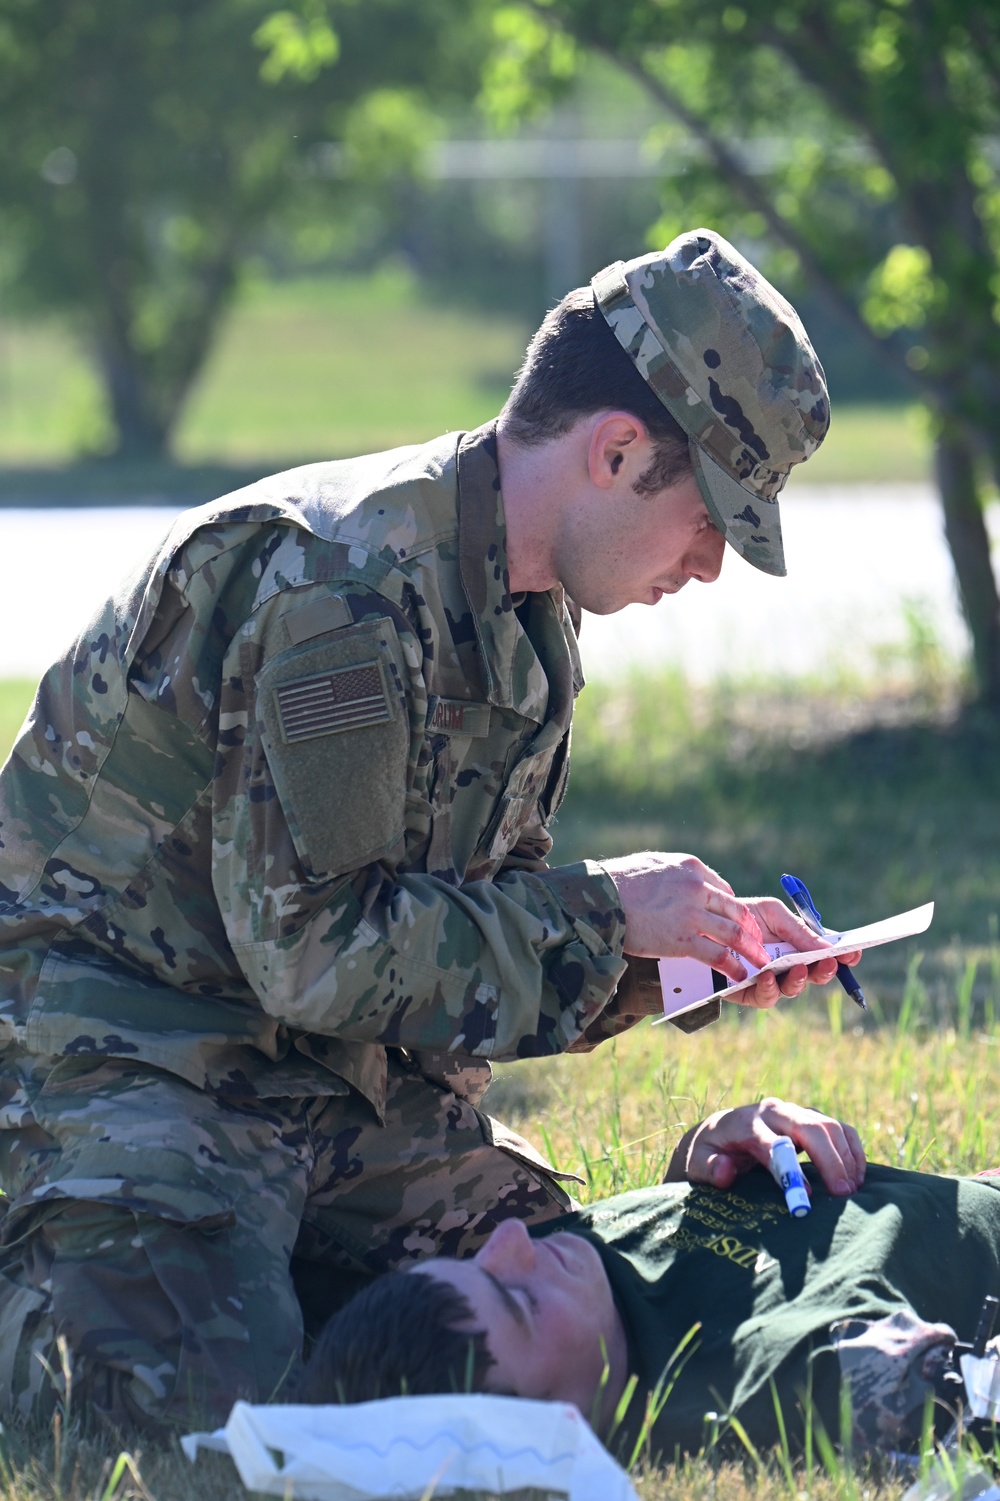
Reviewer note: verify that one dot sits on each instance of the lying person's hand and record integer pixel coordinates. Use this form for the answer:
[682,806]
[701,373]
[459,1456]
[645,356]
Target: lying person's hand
[676,906]
[731,1142]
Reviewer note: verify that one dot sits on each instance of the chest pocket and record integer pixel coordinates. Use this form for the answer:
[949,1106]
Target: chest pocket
[333,728]
[525,787]
[460,795]
[558,777]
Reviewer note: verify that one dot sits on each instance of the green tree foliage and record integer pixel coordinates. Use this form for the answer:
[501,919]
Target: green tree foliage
[862,137]
[149,144]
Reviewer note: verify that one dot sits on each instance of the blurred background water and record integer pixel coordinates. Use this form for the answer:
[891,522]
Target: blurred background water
[868,568]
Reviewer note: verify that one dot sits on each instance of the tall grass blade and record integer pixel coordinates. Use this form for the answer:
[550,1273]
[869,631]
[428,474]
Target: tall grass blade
[913,996]
[992,1005]
[963,1021]
[744,1438]
[783,1452]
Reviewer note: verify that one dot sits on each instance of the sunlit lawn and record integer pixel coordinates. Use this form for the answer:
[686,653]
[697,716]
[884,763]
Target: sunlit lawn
[302,370]
[15,697]
[921,1099]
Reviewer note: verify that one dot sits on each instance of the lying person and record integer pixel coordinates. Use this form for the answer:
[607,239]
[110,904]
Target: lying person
[713,1301]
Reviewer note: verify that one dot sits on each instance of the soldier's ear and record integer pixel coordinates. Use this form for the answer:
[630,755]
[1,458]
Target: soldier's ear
[614,438]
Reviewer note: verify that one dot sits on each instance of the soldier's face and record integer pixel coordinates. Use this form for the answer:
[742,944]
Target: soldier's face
[627,548]
[545,1307]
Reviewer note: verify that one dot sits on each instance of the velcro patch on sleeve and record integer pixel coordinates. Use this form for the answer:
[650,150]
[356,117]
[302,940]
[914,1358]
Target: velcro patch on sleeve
[335,731]
[331,702]
[329,612]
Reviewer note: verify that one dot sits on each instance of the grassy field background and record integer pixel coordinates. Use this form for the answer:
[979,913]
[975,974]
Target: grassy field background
[881,792]
[315,369]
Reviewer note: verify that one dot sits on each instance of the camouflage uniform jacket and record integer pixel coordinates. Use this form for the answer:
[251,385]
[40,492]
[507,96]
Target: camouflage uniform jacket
[285,802]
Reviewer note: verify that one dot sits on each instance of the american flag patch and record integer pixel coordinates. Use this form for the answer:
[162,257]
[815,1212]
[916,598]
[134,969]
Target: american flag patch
[345,699]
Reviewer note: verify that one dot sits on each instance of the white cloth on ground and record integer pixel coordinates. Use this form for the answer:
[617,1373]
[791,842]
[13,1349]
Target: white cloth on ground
[410,1446]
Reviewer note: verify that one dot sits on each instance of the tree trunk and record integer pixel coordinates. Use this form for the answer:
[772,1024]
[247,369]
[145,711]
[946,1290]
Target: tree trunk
[965,530]
[141,432]
[147,388]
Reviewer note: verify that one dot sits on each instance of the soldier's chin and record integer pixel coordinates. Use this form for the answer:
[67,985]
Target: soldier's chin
[604,606]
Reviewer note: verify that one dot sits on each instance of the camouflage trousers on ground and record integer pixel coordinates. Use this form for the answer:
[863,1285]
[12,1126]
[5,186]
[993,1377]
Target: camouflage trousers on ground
[891,1366]
[160,1232]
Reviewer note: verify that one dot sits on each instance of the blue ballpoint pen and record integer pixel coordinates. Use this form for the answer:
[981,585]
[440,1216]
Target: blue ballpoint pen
[798,894]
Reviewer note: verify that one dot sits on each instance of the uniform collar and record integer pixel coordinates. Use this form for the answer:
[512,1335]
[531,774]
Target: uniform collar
[514,675]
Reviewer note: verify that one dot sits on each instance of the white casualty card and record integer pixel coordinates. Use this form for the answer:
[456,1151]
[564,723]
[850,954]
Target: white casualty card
[687,983]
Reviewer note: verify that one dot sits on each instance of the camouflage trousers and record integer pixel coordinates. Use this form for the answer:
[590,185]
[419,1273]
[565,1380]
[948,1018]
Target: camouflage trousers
[159,1233]
[891,1366]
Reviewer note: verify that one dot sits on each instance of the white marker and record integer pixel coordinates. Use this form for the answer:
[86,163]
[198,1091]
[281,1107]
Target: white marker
[787,1173]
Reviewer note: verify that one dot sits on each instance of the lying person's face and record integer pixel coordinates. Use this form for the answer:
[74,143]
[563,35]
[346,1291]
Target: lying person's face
[545,1307]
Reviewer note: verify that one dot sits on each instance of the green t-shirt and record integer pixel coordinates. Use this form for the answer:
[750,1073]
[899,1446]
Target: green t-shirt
[764,1288]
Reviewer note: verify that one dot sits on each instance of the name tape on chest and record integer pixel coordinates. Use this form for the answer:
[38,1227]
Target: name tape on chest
[327,703]
[456,716]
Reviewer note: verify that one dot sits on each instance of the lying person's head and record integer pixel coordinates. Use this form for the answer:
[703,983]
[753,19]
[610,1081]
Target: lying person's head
[529,1318]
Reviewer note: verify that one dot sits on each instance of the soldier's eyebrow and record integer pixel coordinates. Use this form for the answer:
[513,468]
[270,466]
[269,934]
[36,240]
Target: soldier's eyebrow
[508,1299]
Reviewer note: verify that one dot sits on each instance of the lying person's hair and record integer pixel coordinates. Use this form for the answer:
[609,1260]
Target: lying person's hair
[400,1336]
[575,366]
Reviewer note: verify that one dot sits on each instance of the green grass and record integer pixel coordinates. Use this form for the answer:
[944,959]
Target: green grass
[318,368]
[15,699]
[615,1115]
[50,403]
[302,370]
[350,366]
[870,444]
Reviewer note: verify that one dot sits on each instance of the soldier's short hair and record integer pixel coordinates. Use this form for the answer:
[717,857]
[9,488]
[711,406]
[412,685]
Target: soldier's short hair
[575,366]
[402,1335]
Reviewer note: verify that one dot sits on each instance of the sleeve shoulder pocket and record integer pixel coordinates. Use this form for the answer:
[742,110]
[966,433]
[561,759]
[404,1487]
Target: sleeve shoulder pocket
[333,723]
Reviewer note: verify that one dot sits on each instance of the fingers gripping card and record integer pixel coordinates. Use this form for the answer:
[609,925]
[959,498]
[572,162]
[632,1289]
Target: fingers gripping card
[687,984]
[336,738]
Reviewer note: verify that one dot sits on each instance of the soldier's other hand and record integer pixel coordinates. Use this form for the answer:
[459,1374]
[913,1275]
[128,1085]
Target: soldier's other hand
[778,924]
[731,1142]
[677,907]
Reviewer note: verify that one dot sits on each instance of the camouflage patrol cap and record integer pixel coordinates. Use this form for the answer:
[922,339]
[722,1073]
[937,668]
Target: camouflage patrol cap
[729,359]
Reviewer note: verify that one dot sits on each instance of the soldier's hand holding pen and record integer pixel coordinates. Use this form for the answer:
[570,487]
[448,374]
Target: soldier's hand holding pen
[676,906]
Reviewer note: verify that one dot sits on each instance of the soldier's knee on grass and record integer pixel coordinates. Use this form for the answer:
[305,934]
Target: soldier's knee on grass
[127,1317]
